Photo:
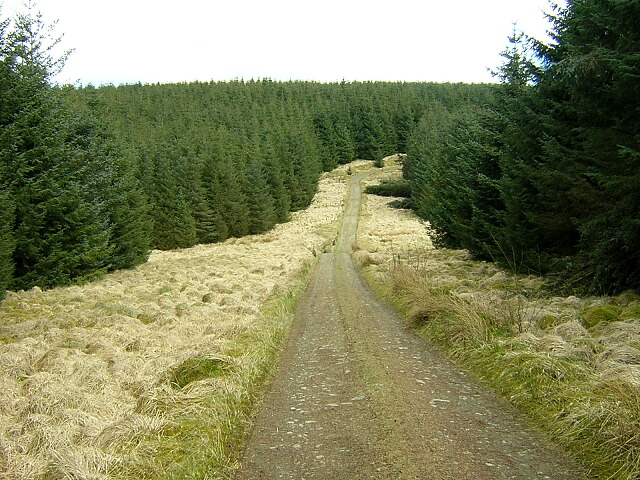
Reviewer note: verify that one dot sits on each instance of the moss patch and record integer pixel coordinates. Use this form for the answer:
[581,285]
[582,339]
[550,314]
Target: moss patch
[600,315]
[198,368]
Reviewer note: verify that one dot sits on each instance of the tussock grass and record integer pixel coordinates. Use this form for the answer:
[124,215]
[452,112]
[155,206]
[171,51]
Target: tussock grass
[571,364]
[600,315]
[199,368]
[210,399]
[429,306]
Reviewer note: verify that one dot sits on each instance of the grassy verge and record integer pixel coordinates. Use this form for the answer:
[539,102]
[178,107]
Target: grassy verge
[210,401]
[571,365]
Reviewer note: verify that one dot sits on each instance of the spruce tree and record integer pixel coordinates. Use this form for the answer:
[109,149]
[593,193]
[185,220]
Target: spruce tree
[231,200]
[217,230]
[344,147]
[60,232]
[262,214]
[129,215]
[116,187]
[173,222]
[7,79]
[277,189]
[426,168]
[590,90]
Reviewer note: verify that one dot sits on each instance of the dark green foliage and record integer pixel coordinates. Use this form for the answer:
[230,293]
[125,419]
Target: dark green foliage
[229,159]
[592,90]
[62,190]
[114,187]
[6,241]
[454,174]
[93,178]
[261,206]
[541,172]
[60,234]
[174,223]
[214,227]
[232,202]
[390,188]
[130,218]
[277,188]
[546,177]
[7,207]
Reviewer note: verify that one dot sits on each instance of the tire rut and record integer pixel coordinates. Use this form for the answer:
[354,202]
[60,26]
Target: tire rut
[358,396]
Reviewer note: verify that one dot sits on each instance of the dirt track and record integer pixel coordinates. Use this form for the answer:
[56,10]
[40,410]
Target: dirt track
[358,396]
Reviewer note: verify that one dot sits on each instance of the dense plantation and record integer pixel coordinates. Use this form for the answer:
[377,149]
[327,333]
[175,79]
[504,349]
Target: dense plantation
[539,172]
[154,372]
[547,178]
[227,159]
[92,178]
[71,205]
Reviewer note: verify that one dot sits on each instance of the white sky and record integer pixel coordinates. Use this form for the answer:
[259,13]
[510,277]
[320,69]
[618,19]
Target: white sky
[126,41]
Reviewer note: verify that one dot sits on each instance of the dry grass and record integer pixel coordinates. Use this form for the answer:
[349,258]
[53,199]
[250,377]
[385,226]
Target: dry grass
[573,364]
[137,375]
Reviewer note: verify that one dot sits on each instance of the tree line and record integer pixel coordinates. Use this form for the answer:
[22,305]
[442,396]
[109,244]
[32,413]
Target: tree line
[70,205]
[546,177]
[94,178]
[539,172]
[227,159]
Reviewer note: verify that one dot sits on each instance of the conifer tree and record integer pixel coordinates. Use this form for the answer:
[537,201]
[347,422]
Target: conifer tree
[275,180]
[207,221]
[343,145]
[216,228]
[231,201]
[173,222]
[425,169]
[262,214]
[7,79]
[129,214]
[591,90]
[515,129]
[60,232]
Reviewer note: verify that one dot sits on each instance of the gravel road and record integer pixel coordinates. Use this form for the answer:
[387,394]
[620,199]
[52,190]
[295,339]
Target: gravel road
[358,396]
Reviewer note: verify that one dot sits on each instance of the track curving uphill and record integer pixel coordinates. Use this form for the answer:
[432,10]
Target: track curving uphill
[358,396]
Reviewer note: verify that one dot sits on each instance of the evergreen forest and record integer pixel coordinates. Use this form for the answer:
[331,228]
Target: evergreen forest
[546,178]
[538,171]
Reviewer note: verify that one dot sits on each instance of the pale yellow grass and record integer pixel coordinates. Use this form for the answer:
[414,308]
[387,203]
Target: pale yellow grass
[83,369]
[385,233]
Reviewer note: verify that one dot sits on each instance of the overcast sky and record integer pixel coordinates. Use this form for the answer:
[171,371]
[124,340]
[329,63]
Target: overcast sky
[126,41]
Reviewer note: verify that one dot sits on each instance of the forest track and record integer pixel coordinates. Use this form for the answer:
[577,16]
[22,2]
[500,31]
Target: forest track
[358,396]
